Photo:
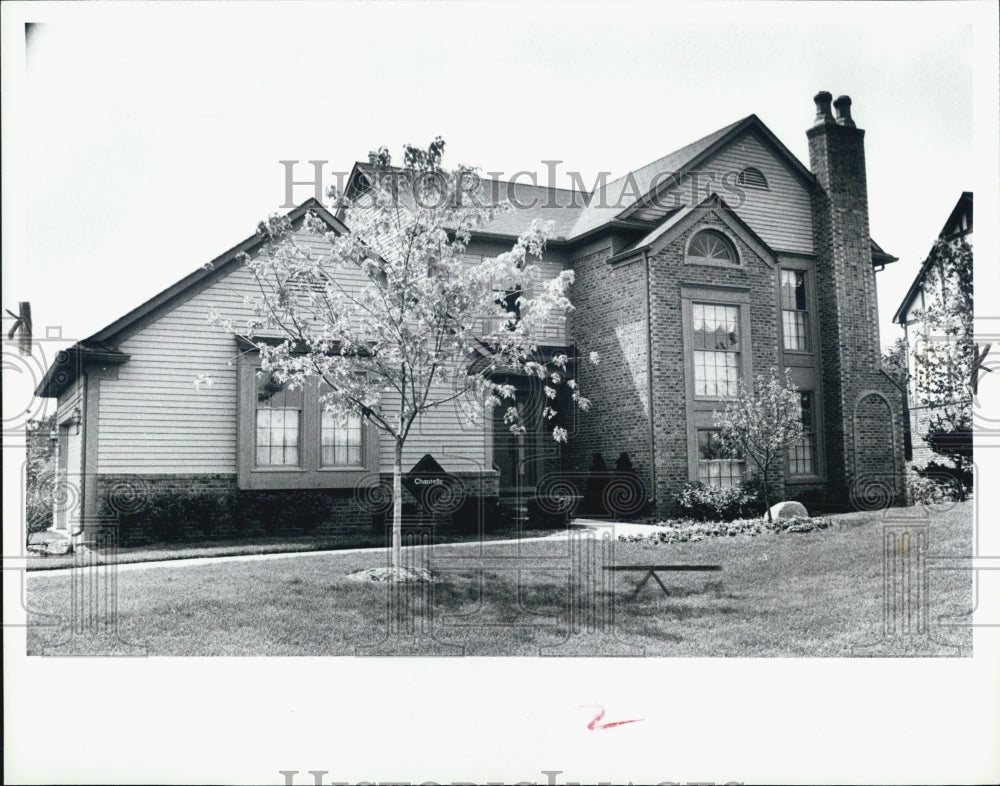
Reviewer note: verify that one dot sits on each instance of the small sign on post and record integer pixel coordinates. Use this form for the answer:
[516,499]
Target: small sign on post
[434,489]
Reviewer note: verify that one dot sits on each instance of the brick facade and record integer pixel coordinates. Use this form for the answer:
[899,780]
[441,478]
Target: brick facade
[848,315]
[634,293]
[610,318]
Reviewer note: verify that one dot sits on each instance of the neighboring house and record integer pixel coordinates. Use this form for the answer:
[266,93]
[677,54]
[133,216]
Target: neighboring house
[915,328]
[720,261]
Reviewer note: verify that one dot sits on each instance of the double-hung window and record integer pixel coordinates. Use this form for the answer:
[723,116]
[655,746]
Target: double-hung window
[341,438]
[286,437]
[802,455]
[716,338]
[716,465]
[278,421]
[794,311]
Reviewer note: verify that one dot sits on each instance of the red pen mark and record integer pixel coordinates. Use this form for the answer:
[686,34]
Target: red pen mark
[596,724]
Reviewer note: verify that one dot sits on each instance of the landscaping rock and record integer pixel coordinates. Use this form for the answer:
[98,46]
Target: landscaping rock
[789,510]
[387,574]
[49,543]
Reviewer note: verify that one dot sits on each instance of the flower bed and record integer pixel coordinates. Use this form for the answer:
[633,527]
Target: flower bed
[683,530]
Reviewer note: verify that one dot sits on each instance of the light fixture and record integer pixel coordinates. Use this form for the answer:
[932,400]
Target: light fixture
[76,419]
[53,435]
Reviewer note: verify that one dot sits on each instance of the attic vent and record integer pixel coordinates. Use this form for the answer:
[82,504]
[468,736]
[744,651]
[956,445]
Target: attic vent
[307,281]
[752,177]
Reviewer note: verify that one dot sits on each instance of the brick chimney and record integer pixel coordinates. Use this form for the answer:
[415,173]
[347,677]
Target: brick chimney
[845,285]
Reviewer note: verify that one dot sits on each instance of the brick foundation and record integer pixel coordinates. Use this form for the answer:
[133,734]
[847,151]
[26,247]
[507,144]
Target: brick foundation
[190,507]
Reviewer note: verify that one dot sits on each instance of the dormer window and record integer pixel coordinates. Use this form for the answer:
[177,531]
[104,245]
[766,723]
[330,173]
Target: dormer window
[709,247]
[752,177]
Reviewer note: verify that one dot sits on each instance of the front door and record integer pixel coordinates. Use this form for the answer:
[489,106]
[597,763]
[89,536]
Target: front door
[516,455]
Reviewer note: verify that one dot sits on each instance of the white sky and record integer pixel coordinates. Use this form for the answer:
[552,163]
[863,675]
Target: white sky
[151,137]
[140,140]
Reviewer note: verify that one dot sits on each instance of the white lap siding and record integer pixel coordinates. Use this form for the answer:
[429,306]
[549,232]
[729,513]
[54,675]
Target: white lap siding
[781,214]
[153,420]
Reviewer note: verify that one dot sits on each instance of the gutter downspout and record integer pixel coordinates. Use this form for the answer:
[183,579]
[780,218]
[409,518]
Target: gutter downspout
[649,380]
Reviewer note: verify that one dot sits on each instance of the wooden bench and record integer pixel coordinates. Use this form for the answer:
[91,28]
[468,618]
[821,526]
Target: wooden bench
[652,570]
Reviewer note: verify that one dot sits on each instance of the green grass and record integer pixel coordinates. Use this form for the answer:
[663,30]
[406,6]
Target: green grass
[805,594]
[276,544]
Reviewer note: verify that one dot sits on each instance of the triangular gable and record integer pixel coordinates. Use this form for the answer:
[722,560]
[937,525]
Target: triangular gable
[173,296]
[624,196]
[686,217]
[751,125]
[953,227]
[207,274]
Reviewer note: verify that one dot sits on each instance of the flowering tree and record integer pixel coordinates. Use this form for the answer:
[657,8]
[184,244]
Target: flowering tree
[947,359]
[396,320]
[762,424]
[894,362]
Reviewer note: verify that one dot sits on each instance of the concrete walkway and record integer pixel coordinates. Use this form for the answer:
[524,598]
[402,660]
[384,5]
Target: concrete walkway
[579,525]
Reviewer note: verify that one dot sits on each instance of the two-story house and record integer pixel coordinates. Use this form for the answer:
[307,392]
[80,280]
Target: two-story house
[722,260]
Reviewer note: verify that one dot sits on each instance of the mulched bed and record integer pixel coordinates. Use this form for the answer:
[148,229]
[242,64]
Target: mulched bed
[685,530]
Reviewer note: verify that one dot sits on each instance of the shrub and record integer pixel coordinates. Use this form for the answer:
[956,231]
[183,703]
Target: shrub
[932,489]
[167,516]
[39,502]
[714,503]
[382,520]
[593,501]
[476,514]
[40,474]
[684,530]
[955,482]
[546,512]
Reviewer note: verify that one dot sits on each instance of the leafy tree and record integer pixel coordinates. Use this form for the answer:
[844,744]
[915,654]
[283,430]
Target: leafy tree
[40,471]
[894,362]
[762,423]
[426,326]
[946,356]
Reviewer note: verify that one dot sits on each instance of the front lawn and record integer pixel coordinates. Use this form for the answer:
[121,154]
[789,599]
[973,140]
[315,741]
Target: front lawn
[349,538]
[818,593]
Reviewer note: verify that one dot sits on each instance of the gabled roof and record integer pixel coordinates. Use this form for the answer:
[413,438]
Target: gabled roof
[561,206]
[960,220]
[880,257]
[100,347]
[576,214]
[959,223]
[681,219]
[68,365]
[621,197]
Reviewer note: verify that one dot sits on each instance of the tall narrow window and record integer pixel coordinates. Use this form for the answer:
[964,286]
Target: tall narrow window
[716,465]
[279,414]
[340,440]
[341,436]
[716,339]
[802,455]
[794,313]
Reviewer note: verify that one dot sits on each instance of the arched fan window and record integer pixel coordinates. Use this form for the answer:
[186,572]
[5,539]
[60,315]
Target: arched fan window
[753,177]
[711,247]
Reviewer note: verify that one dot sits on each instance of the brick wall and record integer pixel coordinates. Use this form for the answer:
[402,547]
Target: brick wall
[847,302]
[610,318]
[673,407]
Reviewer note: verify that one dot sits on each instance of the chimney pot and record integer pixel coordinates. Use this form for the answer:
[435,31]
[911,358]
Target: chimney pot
[843,107]
[823,114]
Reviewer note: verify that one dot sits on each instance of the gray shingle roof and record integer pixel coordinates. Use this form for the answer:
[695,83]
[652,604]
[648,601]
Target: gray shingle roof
[623,192]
